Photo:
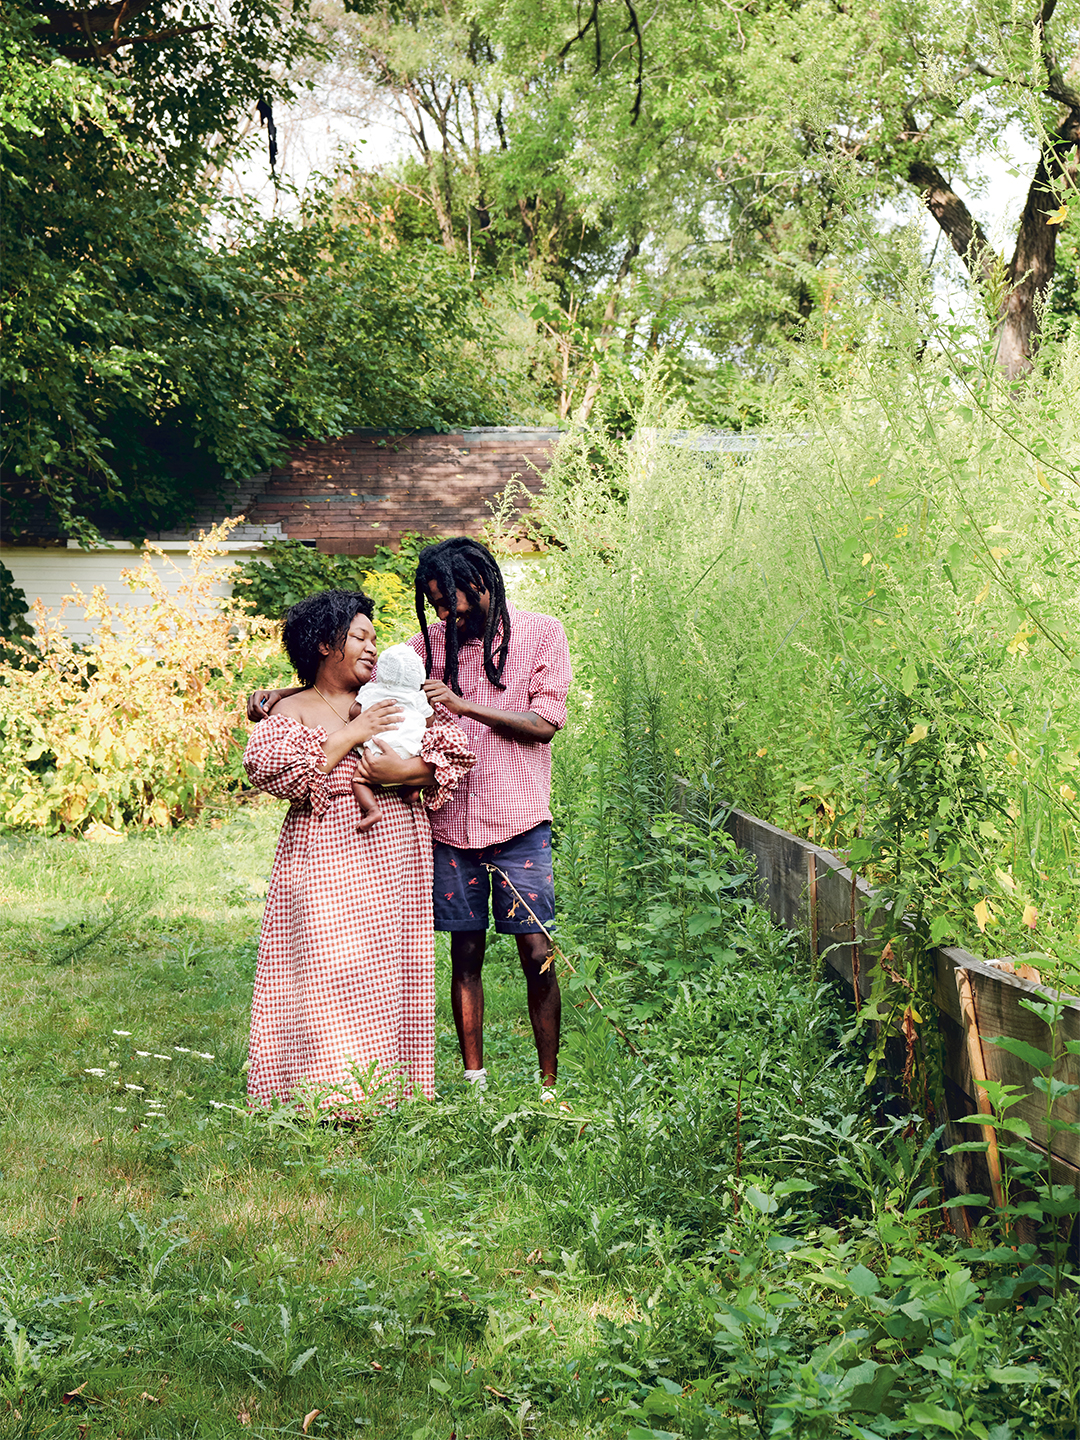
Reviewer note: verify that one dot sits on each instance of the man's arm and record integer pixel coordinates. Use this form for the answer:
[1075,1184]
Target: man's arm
[261,702]
[518,725]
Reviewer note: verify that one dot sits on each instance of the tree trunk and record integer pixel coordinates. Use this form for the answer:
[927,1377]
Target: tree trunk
[1030,272]
[592,389]
[1034,260]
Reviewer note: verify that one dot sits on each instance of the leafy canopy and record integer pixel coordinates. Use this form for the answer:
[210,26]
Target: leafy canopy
[162,345]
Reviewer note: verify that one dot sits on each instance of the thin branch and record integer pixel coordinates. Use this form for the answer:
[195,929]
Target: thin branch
[635,28]
[592,23]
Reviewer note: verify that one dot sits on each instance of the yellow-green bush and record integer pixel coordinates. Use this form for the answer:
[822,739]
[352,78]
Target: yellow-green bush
[139,727]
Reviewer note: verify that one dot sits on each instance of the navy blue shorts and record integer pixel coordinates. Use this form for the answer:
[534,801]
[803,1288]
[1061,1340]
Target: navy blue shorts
[462,885]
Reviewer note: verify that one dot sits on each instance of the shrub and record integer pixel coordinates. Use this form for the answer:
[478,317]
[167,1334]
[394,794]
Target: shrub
[290,570]
[140,726]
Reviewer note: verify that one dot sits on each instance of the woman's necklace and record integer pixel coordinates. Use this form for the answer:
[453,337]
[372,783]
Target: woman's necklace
[333,707]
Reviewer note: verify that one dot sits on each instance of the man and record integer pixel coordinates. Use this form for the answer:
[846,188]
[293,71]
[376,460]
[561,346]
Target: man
[503,674]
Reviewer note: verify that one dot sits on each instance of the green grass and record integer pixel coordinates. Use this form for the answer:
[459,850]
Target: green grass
[140,1250]
[701,1246]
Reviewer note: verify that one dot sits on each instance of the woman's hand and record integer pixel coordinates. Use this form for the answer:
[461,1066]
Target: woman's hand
[387,767]
[383,715]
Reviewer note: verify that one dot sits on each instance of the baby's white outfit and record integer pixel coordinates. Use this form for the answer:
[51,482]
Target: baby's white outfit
[401,674]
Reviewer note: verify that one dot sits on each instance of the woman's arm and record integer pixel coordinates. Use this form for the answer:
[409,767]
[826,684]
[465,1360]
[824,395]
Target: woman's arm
[390,768]
[383,715]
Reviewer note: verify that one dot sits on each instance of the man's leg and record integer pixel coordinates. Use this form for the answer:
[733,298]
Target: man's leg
[467,993]
[545,1001]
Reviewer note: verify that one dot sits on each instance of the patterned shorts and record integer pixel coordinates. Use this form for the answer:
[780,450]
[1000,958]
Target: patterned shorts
[462,885]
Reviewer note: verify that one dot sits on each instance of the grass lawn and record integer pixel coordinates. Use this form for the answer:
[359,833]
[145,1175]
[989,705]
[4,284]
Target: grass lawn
[192,1272]
[717,1239]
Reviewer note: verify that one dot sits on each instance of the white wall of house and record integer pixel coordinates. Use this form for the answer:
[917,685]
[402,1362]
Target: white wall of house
[51,574]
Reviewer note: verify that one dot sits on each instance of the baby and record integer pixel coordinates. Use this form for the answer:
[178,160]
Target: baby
[401,674]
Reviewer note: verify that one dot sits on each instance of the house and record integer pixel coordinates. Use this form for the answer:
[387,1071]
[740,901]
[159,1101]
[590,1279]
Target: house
[343,497]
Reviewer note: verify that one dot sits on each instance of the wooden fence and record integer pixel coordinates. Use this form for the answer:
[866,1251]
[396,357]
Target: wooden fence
[808,889]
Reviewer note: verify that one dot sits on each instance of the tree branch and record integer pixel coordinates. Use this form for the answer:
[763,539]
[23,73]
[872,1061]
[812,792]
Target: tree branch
[959,226]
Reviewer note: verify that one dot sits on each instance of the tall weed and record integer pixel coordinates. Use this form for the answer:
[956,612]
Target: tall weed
[866,629]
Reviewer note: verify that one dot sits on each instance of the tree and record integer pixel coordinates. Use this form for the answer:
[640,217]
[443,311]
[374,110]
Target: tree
[905,98]
[530,168]
[148,360]
[598,158]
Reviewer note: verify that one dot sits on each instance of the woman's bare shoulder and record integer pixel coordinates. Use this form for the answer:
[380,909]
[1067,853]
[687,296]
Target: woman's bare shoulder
[294,707]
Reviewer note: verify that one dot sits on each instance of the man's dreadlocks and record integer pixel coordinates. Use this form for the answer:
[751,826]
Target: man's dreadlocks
[466,565]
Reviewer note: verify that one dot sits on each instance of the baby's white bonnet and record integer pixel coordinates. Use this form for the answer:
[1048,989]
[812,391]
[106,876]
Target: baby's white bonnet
[401,667]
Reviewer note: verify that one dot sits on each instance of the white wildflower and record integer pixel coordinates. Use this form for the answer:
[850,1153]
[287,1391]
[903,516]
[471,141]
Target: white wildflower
[119,1109]
[139,1088]
[90,1071]
[125,1033]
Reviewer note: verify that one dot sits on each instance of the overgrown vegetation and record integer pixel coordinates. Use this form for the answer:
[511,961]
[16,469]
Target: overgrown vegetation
[863,629]
[716,1235]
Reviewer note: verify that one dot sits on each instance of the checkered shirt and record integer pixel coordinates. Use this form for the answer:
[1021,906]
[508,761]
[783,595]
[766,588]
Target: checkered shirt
[509,789]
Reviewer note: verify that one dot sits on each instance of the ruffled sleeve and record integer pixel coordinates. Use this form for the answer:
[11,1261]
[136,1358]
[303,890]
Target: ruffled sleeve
[446,746]
[284,758]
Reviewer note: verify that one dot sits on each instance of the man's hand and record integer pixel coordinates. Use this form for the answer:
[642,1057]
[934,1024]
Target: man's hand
[526,726]
[261,702]
[440,694]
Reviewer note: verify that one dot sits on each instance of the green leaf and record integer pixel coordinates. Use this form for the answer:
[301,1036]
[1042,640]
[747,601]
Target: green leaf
[863,1281]
[701,921]
[923,1413]
[1030,1054]
[1012,1124]
[767,1204]
[301,1360]
[872,1394]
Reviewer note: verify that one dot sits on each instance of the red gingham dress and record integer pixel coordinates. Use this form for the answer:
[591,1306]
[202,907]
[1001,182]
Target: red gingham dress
[346,970]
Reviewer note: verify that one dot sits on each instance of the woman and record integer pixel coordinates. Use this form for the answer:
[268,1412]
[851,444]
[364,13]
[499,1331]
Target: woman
[344,1002]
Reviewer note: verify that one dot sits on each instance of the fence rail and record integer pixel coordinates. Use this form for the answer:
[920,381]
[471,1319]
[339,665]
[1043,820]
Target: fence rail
[808,889]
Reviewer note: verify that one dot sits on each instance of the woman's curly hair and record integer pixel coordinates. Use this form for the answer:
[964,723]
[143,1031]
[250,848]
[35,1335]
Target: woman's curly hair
[321,619]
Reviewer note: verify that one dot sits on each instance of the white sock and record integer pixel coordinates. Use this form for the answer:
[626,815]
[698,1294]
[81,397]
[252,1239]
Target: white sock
[477,1078]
